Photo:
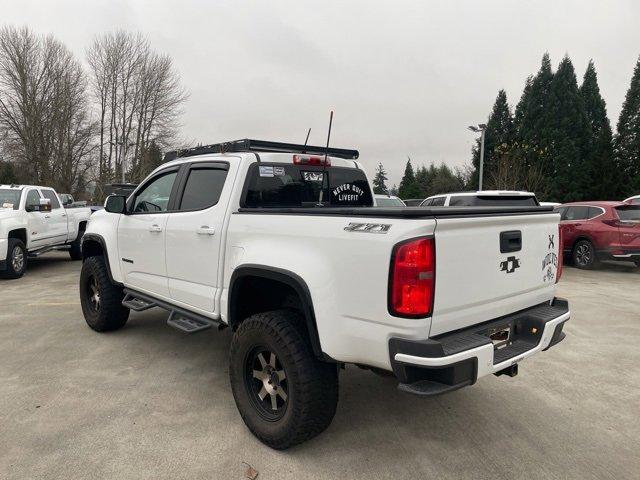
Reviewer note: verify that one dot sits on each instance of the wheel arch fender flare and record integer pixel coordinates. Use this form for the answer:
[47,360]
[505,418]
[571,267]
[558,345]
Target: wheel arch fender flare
[288,278]
[91,242]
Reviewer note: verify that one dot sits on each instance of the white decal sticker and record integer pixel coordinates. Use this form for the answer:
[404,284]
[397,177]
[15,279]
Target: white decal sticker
[266,171]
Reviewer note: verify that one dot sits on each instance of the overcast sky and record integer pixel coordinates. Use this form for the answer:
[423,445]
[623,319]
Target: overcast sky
[404,78]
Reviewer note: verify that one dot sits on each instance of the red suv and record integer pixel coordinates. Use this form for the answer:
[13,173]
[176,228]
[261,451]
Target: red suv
[593,231]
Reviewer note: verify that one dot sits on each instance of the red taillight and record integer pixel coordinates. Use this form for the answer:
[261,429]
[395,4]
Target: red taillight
[560,255]
[412,278]
[311,160]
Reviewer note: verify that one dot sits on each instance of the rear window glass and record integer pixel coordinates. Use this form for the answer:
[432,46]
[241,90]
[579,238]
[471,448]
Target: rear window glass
[631,213]
[492,201]
[273,185]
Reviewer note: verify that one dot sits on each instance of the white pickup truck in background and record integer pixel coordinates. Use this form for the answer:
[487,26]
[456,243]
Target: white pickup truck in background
[283,245]
[32,222]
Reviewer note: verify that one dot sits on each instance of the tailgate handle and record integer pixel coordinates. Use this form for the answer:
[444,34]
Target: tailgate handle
[510,241]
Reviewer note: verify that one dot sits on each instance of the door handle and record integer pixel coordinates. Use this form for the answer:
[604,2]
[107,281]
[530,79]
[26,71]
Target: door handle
[155,228]
[47,216]
[205,230]
[64,214]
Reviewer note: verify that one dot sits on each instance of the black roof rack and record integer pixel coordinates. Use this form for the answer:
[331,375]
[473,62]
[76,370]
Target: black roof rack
[248,145]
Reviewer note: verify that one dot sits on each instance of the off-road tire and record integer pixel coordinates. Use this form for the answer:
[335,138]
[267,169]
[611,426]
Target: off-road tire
[584,255]
[110,314]
[312,385]
[11,270]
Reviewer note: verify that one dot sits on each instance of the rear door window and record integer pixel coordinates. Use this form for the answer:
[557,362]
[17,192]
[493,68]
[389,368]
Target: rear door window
[594,212]
[53,198]
[493,201]
[203,187]
[438,201]
[576,213]
[278,185]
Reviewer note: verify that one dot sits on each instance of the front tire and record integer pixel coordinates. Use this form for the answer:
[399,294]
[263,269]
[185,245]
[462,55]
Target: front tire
[284,394]
[16,259]
[101,300]
[584,255]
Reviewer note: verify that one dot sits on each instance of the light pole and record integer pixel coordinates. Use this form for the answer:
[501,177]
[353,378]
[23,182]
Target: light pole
[481,128]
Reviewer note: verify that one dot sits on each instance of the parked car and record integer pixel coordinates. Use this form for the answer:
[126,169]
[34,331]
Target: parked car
[634,200]
[388,201]
[481,198]
[68,201]
[32,222]
[594,231]
[285,250]
[413,202]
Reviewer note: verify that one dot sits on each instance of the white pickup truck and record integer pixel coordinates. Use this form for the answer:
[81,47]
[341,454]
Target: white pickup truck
[282,244]
[32,222]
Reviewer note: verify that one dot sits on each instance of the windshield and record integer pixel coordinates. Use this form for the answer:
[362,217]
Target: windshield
[10,198]
[278,185]
[630,213]
[389,202]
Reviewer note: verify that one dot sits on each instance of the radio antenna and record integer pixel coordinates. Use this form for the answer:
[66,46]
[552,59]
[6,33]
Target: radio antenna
[326,155]
[307,139]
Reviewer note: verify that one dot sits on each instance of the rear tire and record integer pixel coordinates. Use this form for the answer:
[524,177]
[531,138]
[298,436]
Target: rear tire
[584,255]
[75,248]
[16,259]
[272,365]
[101,300]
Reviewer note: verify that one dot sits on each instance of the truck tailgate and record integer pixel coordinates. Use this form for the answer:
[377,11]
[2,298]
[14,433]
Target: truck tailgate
[490,266]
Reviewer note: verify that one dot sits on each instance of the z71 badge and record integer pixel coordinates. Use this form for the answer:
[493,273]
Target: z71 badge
[368,227]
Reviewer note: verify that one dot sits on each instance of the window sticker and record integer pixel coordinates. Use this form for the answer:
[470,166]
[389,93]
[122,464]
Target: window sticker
[266,171]
[347,192]
[278,171]
[312,176]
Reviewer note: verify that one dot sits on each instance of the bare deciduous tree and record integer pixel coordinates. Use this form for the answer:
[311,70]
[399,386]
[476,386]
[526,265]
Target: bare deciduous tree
[43,110]
[139,98]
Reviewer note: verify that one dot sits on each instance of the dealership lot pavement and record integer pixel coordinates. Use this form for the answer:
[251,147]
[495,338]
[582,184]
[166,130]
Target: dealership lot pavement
[150,402]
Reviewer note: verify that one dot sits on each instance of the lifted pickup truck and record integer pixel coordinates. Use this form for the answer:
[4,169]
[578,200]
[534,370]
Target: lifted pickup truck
[283,245]
[32,222]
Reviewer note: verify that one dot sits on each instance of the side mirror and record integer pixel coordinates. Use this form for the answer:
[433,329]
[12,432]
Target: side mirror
[45,205]
[116,204]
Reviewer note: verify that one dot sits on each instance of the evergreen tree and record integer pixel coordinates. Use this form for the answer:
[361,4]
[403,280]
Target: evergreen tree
[627,142]
[567,137]
[498,135]
[394,190]
[408,185]
[604,181]
[424,177]
[8,173]
[445,180]
[379,185]
[531,122]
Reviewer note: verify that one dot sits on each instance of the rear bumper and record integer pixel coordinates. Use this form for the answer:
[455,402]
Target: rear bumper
[458,359]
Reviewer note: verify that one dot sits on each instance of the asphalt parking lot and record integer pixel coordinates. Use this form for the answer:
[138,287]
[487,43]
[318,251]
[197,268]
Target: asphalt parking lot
[151,402]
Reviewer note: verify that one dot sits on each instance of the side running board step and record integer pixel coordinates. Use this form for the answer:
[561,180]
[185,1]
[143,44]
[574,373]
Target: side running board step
[136,304]
[183,320]
[189,324]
